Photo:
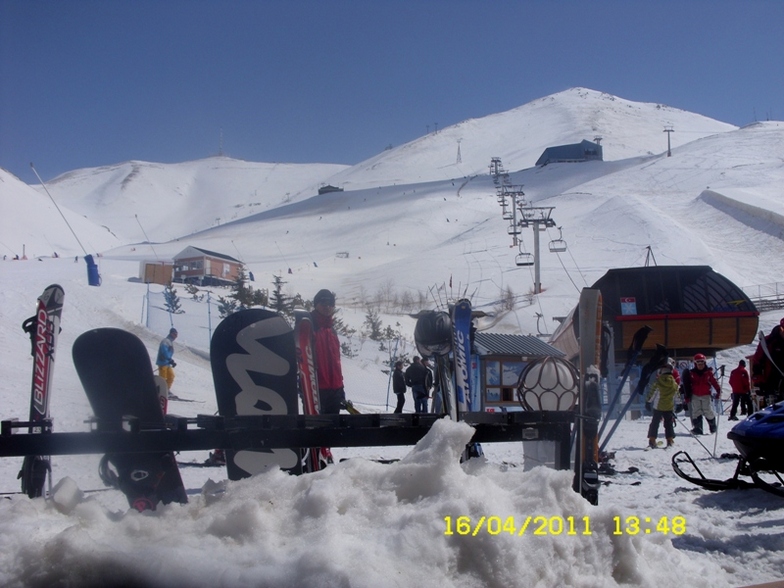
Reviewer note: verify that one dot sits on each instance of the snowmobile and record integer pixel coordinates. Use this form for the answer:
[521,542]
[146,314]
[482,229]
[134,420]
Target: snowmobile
[760,441]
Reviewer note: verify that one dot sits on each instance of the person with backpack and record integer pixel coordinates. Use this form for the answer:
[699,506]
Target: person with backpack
[661,399]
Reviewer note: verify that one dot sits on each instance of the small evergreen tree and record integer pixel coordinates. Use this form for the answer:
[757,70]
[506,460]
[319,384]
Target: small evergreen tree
[227,306]
[278,300]
[171,301]
[373,324]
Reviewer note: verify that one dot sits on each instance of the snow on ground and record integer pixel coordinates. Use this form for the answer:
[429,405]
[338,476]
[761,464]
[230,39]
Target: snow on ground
[360,523]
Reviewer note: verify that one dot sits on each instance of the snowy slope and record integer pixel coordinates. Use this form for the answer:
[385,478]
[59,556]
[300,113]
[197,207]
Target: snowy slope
[31,223]
[172,200]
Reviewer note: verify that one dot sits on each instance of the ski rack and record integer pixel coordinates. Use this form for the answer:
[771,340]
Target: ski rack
[278,431]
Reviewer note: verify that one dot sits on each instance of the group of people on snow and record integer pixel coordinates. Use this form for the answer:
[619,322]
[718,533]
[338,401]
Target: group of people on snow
[697,387]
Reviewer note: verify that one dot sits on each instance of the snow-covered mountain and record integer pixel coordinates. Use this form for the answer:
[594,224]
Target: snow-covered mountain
[414,218]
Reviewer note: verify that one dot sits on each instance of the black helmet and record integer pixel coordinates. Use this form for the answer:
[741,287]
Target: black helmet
[433,333]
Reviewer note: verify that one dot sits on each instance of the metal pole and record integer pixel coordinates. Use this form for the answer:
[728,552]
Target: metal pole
[537,279]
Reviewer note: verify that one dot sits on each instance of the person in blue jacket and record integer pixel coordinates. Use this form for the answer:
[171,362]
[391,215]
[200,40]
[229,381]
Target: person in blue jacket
[165,360]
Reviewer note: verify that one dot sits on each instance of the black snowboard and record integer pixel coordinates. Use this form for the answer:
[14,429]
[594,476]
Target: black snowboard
[254,367]
[117,376]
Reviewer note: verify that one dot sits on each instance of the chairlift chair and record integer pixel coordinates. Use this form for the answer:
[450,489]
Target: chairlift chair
[558,245]
[513,230]
[524,259]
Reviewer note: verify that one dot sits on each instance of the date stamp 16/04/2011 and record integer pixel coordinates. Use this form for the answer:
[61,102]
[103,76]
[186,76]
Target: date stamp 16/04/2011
[560,525]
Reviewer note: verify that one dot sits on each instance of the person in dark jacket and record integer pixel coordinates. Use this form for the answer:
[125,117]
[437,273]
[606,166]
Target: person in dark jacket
[741,391]
[768,374]
[416,377]
[700,387]
[325,340]
[399,386]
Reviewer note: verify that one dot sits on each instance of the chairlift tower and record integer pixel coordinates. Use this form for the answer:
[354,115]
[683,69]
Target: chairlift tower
[669,130]
[539,219]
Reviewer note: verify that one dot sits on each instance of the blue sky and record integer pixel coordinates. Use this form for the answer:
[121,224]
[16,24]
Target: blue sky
[89,83]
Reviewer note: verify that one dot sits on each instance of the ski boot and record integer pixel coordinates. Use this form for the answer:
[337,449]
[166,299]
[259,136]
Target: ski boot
[652,442]
[670,442]
[712,425]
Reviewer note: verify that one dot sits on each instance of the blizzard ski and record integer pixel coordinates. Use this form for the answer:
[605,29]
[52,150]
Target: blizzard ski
[43,328]
[461,325]
[254,368]
[316,458]
[115,370]
[586,467]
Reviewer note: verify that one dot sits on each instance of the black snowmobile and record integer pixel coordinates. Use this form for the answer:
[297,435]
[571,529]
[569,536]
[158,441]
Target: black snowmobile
[760,441]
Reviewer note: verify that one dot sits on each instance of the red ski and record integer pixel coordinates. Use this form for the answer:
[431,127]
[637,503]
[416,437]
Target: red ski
[316,458]
[43,329]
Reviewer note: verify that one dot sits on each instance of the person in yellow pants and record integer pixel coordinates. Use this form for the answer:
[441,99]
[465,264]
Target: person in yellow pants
[165,360]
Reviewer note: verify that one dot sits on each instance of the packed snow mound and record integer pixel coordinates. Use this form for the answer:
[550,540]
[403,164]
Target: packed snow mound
[333,528]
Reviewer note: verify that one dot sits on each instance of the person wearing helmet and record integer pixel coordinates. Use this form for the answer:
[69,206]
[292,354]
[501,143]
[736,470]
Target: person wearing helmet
[700,387]
[332,396]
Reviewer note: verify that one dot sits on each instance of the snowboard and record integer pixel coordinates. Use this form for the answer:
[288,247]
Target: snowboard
[254,368]
[43,328]
[315,458]
[115,370]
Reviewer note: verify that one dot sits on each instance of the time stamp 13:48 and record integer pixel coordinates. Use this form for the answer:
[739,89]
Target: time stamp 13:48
[559,525]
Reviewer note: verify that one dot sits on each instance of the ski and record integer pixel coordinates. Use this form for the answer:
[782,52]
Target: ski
[43,328]
[116,374]
[254,368]
[175,398]
[316,458]
[586,475]
[461,325]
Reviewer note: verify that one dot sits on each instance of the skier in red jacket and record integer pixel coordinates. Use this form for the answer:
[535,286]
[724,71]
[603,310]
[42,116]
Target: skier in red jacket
[697,384]
[330,373]
[741,391]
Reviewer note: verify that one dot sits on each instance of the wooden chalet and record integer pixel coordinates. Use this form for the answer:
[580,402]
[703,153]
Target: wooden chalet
[205,268]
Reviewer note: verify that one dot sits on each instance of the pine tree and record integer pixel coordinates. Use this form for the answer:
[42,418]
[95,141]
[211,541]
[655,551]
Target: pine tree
[278,301]
[373,324]
[171,301]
